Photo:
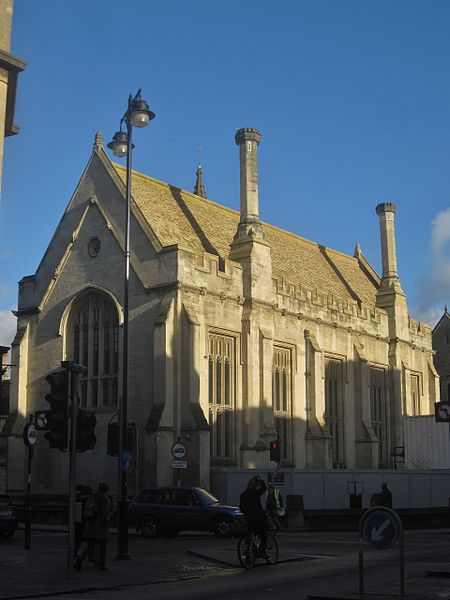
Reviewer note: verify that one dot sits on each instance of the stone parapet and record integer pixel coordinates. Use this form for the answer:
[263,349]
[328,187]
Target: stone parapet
[297,298]
[419,330]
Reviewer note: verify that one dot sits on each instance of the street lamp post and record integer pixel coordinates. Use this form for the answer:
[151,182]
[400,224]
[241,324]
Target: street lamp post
[137,115]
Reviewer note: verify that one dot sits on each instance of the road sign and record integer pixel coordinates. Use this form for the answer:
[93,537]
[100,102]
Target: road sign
[40,420]
[380,527]
[178,464]
[126,461]
[442,412]
[30,436]
[179,450]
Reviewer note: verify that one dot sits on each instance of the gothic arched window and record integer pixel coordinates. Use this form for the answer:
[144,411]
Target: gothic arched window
[281,392]
[93,341]
[334,409]
[221,376]
[379,414]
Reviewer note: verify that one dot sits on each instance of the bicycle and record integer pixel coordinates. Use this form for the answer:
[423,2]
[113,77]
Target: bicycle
[249,549]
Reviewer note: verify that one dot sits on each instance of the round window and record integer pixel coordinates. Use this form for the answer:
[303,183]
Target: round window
[94,247]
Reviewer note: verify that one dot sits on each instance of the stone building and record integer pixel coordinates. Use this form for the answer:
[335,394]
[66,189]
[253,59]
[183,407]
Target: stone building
[10,67]
[441,346]
[239,332]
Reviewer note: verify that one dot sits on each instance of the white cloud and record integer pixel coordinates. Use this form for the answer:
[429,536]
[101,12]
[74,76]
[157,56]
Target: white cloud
[434,287]
[440,231]
[8,325]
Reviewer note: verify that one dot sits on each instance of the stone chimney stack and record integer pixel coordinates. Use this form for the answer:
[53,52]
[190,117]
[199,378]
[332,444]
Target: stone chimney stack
[248,139]
[390,296]
[389,280]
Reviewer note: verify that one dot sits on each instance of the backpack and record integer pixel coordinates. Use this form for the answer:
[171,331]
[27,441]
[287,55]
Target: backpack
[91,508]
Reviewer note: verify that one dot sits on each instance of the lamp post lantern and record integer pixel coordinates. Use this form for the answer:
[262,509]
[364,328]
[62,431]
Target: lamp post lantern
[137,115]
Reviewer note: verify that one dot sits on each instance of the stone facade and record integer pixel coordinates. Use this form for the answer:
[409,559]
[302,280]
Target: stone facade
[238,332]
[10,67]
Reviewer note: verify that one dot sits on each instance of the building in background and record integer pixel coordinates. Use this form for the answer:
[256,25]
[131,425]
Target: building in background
[441,346]
[5,385]
[240,333]
[10,67]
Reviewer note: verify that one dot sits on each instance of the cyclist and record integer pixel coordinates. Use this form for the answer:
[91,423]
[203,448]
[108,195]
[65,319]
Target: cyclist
[255,515]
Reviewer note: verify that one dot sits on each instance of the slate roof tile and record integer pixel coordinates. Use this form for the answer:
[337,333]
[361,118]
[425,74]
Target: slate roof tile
[180,217]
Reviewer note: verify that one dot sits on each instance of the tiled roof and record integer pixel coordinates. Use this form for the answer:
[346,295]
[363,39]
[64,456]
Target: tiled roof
[180,217]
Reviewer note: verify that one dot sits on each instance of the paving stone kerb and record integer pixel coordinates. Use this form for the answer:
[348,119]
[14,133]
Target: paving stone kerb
[33,573]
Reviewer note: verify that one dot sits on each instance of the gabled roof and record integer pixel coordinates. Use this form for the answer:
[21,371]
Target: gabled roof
[180,217]
[443,320]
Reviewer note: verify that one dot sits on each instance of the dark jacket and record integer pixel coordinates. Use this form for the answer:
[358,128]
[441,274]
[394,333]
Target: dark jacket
[250,505]
[97,525]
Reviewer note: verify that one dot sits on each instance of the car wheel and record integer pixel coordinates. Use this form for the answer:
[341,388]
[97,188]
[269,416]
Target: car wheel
[7,534]
[150,527]
[222,527]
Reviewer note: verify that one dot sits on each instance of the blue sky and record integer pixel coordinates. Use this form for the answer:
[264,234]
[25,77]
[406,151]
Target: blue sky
[352,99]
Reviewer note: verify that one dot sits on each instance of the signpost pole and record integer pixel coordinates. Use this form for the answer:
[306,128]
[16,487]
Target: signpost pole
[179,451]
[74,371]
[361,567]
[381,527]
[73,409]
[402,561]
[28,498]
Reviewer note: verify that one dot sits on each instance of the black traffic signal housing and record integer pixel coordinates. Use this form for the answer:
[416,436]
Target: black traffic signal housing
[58,415]
[112,448]
[275,453]
[86,438]
[113,438]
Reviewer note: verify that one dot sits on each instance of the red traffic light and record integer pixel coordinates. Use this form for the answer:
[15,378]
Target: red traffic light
[274,447]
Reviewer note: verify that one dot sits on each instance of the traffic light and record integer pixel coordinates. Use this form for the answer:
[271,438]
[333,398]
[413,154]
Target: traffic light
[275,450]
[57,416]
[86,438]
[112,448]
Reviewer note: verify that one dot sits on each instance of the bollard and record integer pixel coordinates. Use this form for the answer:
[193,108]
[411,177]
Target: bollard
[294,512]
[355,500]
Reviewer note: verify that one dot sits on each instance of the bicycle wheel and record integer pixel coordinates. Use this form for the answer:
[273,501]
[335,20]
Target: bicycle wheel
[245,552]
[271,549]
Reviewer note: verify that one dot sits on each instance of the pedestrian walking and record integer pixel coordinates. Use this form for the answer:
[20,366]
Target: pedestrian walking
[82,493]
[382,498]
[274,505]
[97,512]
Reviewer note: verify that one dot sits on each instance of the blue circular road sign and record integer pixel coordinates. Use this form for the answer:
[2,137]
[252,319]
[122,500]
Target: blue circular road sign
[380,527]
[126,461]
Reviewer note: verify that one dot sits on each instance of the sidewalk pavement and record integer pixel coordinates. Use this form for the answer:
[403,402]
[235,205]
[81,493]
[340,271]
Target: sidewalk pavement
[33,573]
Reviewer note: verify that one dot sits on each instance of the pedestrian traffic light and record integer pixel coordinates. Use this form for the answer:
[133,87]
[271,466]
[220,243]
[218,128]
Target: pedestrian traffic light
[275,450]
[57,416]
[86,438]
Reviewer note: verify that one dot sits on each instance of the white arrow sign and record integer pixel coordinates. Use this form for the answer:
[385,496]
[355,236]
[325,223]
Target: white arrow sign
[376,533]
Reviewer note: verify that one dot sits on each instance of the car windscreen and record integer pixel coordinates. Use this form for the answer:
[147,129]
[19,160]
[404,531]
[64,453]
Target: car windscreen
[206,497]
